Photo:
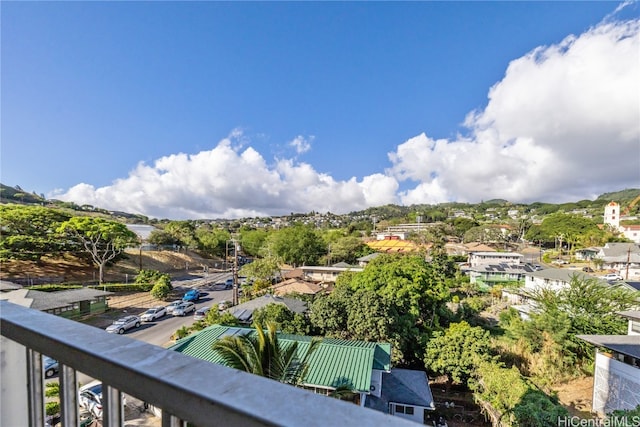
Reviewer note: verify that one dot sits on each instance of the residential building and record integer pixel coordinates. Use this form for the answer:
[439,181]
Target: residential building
[552,279]
[244,312]
[484,258]
[487,275]
[586,254]
[67,303]
[365,367]
[296,286]
[364,260]
[616,378]
[325,274]
[624,258]
[405,394]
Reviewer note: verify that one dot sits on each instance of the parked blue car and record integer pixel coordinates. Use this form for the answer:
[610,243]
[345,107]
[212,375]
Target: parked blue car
[50,366]
[192,295]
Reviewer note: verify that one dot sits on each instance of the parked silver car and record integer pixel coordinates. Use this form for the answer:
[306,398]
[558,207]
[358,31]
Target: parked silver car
[124,324]
[173,305]
[612,277]
[154,313]
[201,313]
[184,309]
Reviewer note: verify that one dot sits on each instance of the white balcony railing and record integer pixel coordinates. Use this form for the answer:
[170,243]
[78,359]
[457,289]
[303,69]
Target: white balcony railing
[185,389]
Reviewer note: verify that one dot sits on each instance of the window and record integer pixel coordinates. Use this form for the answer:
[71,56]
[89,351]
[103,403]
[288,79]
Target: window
[635,326]
[401,409]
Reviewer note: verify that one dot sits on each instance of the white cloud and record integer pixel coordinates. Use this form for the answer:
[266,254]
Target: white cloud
[563,118]
[230,182]
[301,144]
[563,124]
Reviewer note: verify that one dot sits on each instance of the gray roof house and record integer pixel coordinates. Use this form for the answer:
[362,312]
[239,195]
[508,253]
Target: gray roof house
[244,312]
[67,303]
[616,377]
[553,279]
[622,257]
[6,286]
[405,393]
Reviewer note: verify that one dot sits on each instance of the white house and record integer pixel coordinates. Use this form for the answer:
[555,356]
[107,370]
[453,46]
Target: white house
[616,378]
[622,257]
[483,258]
[552,279]
[325,274]
[612,216]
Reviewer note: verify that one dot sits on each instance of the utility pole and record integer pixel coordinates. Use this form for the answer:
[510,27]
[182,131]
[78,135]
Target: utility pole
[235,271]
[628,261]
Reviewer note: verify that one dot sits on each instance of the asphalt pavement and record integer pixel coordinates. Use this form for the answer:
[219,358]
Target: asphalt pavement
[159,332]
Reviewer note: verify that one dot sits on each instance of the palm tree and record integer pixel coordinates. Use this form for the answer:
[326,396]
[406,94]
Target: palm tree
[263,354]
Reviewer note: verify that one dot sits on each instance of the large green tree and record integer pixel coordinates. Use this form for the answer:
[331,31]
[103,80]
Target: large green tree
[252,241]
[457,351]
[102,239]
[264,354]
[30,232]
[212,241]
[396,299]
[184,233]
[286,320]
[559,226]
[586,305]
[347,249]
[297,245]
[261,272]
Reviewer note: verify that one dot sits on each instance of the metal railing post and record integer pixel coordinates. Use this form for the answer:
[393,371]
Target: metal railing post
[68,396]
[36,392]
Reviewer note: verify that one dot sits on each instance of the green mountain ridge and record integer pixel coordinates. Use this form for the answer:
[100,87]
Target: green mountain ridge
[623,197]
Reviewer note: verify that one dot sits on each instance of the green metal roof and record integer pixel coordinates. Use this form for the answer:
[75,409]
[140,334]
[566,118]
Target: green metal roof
[335,361]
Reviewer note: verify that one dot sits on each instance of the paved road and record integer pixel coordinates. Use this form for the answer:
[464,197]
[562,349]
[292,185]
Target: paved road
[160,331]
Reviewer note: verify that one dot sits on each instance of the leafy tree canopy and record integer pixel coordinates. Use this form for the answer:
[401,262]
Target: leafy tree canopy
[457,351]
[568,227]
[102,239]
[29,232]
[286,320]
[586,306]
[297,245]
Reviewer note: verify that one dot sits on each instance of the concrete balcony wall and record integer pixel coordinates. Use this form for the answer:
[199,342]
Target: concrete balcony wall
[183,388]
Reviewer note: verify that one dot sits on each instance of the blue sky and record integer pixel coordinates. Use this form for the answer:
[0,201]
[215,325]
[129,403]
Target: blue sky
[230,109]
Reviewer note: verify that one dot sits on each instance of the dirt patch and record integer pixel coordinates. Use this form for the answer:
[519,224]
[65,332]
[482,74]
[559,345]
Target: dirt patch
[576,395]
[73,269]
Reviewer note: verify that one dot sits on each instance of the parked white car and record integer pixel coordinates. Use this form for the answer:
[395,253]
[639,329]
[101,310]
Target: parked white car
[612,277]
[90,398]
[154,313]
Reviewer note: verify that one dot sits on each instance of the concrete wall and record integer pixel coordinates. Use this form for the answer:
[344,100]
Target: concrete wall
[616,385]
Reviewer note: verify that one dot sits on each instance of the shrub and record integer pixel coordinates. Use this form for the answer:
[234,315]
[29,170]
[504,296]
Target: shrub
[161,289]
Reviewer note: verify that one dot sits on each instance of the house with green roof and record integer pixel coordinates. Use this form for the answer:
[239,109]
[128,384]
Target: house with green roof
[360,365]
[66,303]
